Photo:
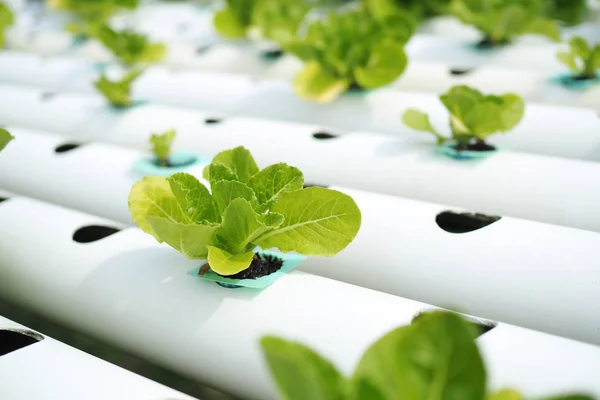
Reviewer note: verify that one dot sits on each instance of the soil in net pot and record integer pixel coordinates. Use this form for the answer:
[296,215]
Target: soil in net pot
[262,265]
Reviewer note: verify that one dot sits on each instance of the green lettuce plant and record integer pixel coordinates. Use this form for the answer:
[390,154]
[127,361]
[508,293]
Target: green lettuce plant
[245,208]
[582,59]
[421,9]
[118,93]
[473,117]
[500,21]
[6,19]
[161,144]
[130,47]
[434,358]
[5,138]
[350,50]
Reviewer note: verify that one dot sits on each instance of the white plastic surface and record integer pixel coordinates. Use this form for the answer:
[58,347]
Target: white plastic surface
[50,370]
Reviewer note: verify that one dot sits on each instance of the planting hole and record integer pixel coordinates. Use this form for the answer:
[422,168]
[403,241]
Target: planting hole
[202,49]
[92,233]
[324,135]
[453,222]
[3,199]
[63,148]
[308,184]
[481,326]
[213,121]
[460,71]
[15,339]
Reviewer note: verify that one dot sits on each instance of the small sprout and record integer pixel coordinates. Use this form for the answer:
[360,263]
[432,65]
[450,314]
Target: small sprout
[582,59]
[501,21]
[435,357]
[7,18]
[160,144]
[130,47]
[350,50]
[245,208]
[5,138]
[118,93]
[473,117]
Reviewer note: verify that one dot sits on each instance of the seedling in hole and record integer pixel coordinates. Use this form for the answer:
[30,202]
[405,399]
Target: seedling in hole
[246,208]
[160,145]
[130,47]
[435,357]
[350,50]
[582,59]
[118,93]
[6,19]
[473,117]
[500,21]
[5,138]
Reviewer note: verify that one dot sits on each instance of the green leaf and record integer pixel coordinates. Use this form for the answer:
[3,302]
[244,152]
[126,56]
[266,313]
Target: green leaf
[239,161]
[545,27]
[579,47]
[483,119]
[241,225]
[386,63]
[318,222]
[194,198]
[118,93]
[224,192]
[218,172]
[273,181]
[225,263]
[160,145]
[568,59]
[191,240]
[128,46]
[315,84]
[459,100]
[228,25]
[6,19]
[435,358]
[513,109]
[361,389]
[300,373]
[505,394]
[152,196]
[419,121]
[5,138]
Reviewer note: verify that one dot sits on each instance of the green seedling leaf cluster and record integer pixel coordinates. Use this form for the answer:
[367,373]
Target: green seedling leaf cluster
[5,138]
[473,116]
[500,21]
[581,58]
[160,145]
[434,358]
[245,208]
[420,9]
[275,20]
[118,92]
[130,47]
[352,49]
[570,12]
[7,18]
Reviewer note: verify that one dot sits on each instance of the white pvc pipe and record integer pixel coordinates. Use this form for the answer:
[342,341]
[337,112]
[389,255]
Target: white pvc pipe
[50,370]
[542,129]
[498,272]
[501,184]
[129,290]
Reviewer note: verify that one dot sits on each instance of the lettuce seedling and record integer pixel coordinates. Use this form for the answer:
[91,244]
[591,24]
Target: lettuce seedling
[6,19]
[245,208]
[582,59]
[118,93]
[130,47]
[350,50]
[473,117]
[5,138]
[420,9]
[279,20]
[435,357]
[502,20]
[160,144]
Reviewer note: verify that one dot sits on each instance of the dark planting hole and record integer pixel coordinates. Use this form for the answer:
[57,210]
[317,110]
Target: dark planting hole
[460,71]
[63,148]
[92,233]
[307,185]
[262,265]
[488,43]
[212,121]
[479,145]
[453,222]
[47,96]
[324,135]
[356,88]
[3,199]
[15,339]
[579,78]
[202,49]
[481,326]
[180,164]
[272,54]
